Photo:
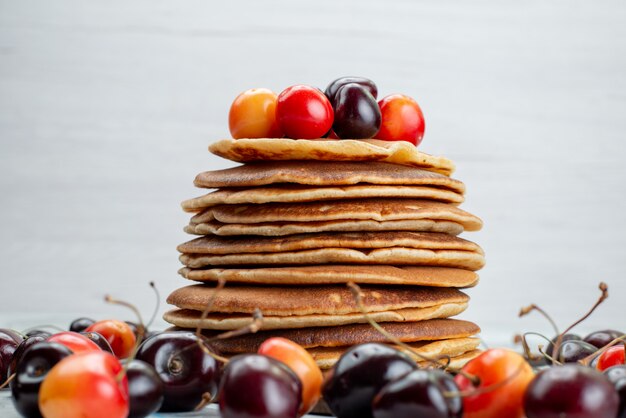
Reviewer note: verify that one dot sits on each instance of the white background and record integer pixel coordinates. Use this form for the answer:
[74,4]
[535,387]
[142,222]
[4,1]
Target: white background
[107,109]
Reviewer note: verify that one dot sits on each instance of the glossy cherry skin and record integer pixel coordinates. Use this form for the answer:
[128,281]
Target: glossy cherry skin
[572,351]
[366,83]
[186,370]
[76,342]
[304,112]
[99,340]
[617,376]
[301,363]
[19,351]
[36,332]
[570,390]
[253,115]
[258,386]
[81,324]
[601,338]
[507,373]
[145,389]
[613,356]
[357,114]
[9,340]
[402,119]
[549,350]
[89,384]
[359,374]
[421,393]
[119,334]
[34,365]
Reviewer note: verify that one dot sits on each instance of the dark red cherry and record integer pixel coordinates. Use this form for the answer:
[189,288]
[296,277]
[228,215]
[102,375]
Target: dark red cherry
[186,370]
[258,386]
[574,350]
[31,370]
[357,114]
[145,389]
[570,390]
[19,351]
[567,337]
[99,339]
[9,340]
[359,374]
[601,338]
[35,332]
[617,376]
[421,393]
[81,324]
[334,86]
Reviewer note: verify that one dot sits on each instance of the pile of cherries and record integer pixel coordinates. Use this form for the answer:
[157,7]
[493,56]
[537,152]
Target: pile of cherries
[347,109]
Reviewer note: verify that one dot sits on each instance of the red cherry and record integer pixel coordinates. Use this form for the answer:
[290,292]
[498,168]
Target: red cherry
[85,385]
[508,373]
[611,357]
[402,119]
[118,333]
[304,112]
[76,342]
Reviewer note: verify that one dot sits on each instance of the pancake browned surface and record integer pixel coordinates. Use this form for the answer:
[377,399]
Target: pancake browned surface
[277,149]
[333,274]
[297,193]
[380,210]
[324,173]
[370,240]
[348,335]
[301,300]
[272,229]
[187,318]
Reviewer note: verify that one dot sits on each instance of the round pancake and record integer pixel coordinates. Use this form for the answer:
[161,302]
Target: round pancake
[274,229]
[187,318]
[349,335]
[326,357]
[324,173]
[335,274]
[295,193]
[380,210]
[395,256]
[267,149]
[309,300]
[212,244]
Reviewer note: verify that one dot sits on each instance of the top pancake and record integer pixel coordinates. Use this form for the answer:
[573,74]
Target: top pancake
[277,149]
[324,173]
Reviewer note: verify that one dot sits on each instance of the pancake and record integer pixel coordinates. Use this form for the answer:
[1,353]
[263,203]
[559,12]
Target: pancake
[187,318]
[348,335]
[395,255]
[326,357]
[273,229]
[297,193]
[380,210]
[309,300]
[212,244]
[267,149]
[335,274]
[324,173]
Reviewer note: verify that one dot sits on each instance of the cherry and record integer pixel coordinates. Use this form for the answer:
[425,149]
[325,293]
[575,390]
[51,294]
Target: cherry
[549,350]
[9,340]
[503,376]
[334,87]
[304,112]
[100,341]
[89,384]
[601,338]
[186,370]
[421,393]
[358,376]
[81,324]
[613,356]
[357,114]
[574,350]
[118,333]
[34,365]
[570,390]
[253,115]
[76,342]
[402,119]
[301,363]
[19,351]
[35,332]
[145,389]
[617,376]
[258,386]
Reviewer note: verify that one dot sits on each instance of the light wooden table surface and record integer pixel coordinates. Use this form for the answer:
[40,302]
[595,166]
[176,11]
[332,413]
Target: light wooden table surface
[107,108]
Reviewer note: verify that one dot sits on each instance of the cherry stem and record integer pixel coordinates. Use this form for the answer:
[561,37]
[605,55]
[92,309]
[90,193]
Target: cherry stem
[251,328]
[549,357]
[202,341]
[358,297]
[604,289]
[157,306]
[528,309]
[590,357]
[527,352]
[8,381]
[206,399]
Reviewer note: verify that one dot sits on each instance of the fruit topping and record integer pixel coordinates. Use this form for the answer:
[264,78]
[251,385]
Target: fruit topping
[304,112]
[402,119]
[119,335]
[253,115]
[357,114]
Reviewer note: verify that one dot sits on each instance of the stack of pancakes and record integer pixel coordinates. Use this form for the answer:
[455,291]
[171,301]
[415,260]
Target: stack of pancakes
[300,219]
